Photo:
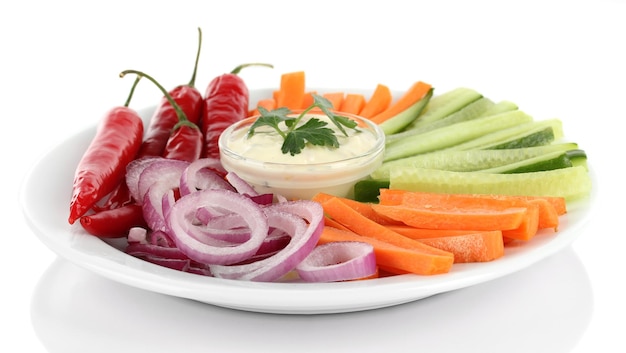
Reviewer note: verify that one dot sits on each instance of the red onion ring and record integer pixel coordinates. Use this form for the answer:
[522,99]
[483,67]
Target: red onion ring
[338,261]
[203,174]
[180,227]
[303,220]
[133,172]
[240,185]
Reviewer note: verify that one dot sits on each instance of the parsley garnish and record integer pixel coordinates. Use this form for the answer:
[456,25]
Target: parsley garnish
[313,131]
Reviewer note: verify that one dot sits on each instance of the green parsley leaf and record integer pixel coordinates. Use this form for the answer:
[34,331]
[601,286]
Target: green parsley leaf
[314,131]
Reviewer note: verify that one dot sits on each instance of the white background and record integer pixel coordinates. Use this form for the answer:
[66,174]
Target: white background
[59,65]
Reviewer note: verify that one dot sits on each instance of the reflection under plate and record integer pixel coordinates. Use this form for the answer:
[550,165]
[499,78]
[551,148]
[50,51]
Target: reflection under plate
[543,308]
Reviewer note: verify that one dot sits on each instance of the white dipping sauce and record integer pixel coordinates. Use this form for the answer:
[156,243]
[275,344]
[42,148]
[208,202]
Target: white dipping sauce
[265,144]
[258,159]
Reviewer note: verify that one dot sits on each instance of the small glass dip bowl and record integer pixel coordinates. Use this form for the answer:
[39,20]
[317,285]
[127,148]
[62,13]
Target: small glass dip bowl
[260,161]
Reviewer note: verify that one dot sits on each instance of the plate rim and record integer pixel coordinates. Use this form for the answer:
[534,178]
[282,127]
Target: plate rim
[100,257]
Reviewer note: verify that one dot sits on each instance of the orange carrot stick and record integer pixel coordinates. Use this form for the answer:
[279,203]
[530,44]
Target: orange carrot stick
[429,260]
[291,91]
[352,103]
[455,218]
[361,207]
[425,233]
[416,92]
[472,247]
[267,103]
[549,207]
[394,259]
[307,99]
[336,98]
[379,101]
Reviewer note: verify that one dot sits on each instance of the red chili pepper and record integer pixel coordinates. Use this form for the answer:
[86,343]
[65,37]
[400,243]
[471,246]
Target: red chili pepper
[103,165]
[161,126]
[186,144]
[188,97]
[226,102]
[114,223]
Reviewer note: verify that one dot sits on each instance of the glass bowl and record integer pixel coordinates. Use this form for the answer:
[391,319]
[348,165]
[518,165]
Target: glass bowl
[260,161]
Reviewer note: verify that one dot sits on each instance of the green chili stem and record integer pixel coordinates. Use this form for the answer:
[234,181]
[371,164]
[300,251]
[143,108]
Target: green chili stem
[240,67]
[182,118]
[192,82]
[132,91]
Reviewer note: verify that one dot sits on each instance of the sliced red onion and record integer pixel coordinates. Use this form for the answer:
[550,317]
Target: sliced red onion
[160,170]
[144,249]
[240,185]
[231,227]
[303,220]
[338,261]
[281,198]
[137,235]
[133,171]
[160,238]
[181,227]
[155,185]
[203,174]
[263,199]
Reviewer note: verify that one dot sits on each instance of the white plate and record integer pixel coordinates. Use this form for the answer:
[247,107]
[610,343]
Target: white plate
[45,202]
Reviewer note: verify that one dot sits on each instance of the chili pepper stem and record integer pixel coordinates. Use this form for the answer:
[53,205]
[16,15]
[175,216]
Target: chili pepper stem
[182,118]
[132,91]
[240,67]
[192,82]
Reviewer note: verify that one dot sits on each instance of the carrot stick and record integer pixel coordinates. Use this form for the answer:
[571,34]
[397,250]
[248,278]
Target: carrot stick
[416,92]
[307,100]
[428,260]
[454,218]
[352,103]
[336,98]
[425,233]
[472,247]
[363,208]
[379,101]
[291,91]
[329,222]
[394,259]
[549,207]
[267,103]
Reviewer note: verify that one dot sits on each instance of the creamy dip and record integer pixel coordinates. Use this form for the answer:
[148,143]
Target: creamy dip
[265,145]
[258,159]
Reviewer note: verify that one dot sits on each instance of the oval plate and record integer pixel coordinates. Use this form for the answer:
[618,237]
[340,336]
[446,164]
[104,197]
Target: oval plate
[45,203]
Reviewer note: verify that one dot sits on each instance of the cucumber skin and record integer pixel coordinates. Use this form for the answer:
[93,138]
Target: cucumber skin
[471,111]
[406,117]
[496,138]
[454,134]
[368,190]
[560,161]
[446,104]
[538,138]
[469,160]
[570,183]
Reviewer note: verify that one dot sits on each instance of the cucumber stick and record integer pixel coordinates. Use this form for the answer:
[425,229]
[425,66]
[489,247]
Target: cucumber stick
[406,117]
[470,160]
[571,183]
[512,135]
[445,104]
[451,135]
[471,111]
[500,107]
[549,161]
